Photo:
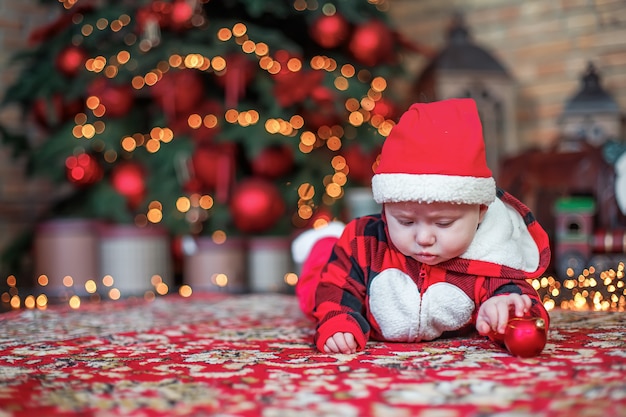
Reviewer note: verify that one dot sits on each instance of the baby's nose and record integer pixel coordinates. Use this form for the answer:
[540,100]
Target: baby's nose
[424,236]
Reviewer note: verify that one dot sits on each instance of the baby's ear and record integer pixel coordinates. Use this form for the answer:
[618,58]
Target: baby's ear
[483,210]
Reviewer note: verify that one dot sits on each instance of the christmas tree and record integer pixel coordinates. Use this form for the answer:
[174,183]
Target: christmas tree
[249,117]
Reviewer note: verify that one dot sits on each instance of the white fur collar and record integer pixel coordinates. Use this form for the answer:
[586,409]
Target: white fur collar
[503,238]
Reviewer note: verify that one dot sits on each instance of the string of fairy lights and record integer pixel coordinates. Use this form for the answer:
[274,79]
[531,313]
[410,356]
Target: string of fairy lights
[589,291]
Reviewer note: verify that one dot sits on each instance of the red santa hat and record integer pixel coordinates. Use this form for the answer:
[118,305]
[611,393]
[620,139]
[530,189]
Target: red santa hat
[436,153]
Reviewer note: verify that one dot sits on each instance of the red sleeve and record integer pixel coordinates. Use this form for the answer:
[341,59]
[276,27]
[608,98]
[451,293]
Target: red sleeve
[340,295]
[500,286]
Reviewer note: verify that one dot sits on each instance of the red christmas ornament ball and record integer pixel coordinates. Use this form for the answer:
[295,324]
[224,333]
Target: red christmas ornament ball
[273,162]
[209,125]
[385,108]
[323,112]
[193,185]
[360,163]
[525,336]
[70,60]
[371,43]
[256,205]
[180,14]
[205,163]
[117,99]
[51,111]
[179,92]
[330,31]
[128,179]
[154,12]
[237,75]
[83,169]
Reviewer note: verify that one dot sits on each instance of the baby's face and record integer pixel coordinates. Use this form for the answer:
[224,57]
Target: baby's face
[435,232]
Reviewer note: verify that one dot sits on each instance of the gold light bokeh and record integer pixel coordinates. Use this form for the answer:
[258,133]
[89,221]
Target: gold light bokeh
[589,291]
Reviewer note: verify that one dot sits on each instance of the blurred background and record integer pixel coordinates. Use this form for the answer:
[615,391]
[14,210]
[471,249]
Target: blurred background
[158,146]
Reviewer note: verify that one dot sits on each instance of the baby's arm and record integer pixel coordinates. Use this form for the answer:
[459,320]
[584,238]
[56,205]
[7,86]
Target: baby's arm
[493,314]
[340,343]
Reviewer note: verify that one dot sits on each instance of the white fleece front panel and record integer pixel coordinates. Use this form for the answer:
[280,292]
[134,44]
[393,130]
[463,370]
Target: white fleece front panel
[405,316]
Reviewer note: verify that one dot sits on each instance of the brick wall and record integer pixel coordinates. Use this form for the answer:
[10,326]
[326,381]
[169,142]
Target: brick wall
[545,45]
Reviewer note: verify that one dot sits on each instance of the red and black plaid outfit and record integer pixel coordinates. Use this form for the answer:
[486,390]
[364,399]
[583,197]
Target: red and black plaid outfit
[361,284]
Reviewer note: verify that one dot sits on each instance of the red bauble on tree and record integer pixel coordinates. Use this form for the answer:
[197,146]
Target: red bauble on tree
[83,169]
[117,99]
[51,111]
[176,15]
[70,60]
[155,12]
[239,72]
[371,43]
[323,111]
[295,87]
[360,163]
[179,92]
[330,31]
[205,164]
[208,126]
[256,205]
[129,179]
[180,15]
[212,164]
[273,162]
[385,108]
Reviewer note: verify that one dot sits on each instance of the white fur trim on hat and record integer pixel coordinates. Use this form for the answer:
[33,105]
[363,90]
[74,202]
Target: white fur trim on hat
[429,188]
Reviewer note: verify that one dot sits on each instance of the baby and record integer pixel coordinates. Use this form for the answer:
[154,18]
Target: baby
[449,252]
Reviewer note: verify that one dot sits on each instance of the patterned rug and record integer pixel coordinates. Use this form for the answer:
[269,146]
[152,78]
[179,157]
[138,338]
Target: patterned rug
[251,355]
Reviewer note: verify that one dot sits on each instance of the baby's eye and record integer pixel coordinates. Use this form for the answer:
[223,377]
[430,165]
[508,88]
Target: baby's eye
[405,222]
[444,223]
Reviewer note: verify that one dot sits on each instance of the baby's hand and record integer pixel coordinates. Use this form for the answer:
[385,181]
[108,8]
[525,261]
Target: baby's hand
[493,314]
[340,343]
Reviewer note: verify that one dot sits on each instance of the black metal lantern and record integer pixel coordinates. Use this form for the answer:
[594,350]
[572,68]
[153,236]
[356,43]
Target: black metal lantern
[591,115]
[464,69]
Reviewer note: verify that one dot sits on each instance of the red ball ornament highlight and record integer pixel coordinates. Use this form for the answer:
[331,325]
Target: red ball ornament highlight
[323,112]
[70,60]
[525,336]
[180,14]
[371,43]
[54,110]
[155,12]
[330,31]
[211,164]
[128,179]
[360,163]
[385,108]
[117,99]
[273,162]
[83,169]
[256,205]
[205,166]
[179,92]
